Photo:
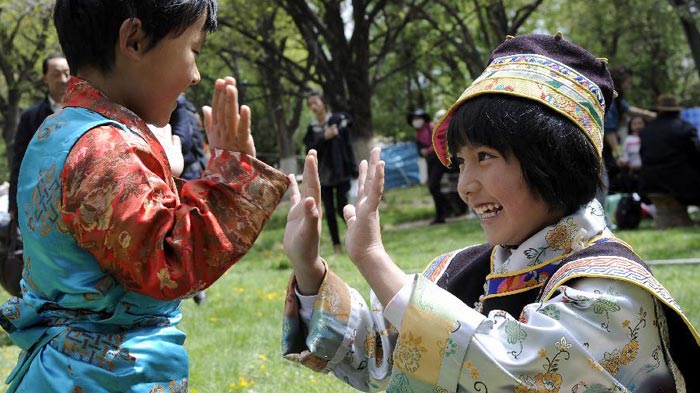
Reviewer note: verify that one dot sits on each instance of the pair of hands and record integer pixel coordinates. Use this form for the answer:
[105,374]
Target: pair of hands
[227,124]
[363,239]
[172,146]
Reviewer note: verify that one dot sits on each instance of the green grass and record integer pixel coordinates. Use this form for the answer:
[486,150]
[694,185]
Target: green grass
[234,338]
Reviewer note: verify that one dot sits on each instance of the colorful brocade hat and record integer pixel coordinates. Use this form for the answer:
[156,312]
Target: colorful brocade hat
[546,69]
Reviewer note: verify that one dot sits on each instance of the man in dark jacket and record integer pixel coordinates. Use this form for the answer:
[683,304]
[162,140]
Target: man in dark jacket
[670,153]
[187,125]
[56,75]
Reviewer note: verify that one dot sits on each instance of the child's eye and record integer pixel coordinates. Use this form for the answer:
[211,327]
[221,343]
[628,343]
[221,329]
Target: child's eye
[196,52]
[485,155]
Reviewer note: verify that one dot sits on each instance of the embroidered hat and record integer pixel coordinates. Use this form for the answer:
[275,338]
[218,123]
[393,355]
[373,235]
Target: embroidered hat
[546,69]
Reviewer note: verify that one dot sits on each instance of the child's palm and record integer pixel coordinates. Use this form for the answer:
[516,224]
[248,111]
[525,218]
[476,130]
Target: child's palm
[227,125]
[303,230]
[363,237]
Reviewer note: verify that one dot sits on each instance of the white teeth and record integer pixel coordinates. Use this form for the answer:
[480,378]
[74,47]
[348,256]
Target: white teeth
[488,210]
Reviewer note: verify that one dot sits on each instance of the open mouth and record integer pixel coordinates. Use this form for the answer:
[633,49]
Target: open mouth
[488,210]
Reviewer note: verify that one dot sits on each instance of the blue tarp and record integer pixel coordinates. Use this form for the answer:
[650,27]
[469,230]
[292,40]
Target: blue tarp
[692,116]
[401,165]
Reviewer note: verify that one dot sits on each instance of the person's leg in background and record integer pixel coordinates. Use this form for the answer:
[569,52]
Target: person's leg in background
[331,210]
[435,172]
[341,199]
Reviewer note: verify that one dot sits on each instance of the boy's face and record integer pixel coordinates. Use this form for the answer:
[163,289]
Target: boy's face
[164,72]
[495,188]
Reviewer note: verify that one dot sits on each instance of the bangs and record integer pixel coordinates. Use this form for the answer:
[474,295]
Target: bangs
[478,122]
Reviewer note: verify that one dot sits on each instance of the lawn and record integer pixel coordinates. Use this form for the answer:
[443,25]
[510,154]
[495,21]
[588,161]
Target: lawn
[234,338]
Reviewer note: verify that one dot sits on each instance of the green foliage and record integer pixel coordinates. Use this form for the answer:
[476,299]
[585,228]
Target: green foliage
[234,337]
[426,66]
[644,35]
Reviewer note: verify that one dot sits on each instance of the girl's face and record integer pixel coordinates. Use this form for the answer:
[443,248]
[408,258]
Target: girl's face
[315,103]
[495,188]
[636,125]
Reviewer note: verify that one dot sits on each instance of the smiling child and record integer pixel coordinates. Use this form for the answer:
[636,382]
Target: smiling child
[113,242]
[552,302]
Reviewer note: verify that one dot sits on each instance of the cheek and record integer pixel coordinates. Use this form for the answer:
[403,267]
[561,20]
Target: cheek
[515,193]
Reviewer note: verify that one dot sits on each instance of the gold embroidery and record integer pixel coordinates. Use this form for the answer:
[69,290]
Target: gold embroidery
[409,352]
[165,281]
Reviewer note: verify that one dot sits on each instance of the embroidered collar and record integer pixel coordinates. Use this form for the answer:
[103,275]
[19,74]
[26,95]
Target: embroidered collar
[533,262]
[80,93]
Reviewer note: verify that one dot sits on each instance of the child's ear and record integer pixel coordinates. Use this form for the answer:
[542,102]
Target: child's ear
[133,41]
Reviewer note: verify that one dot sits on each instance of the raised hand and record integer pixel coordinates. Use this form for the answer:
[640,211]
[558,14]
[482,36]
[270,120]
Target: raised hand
[302,233]
[227,125]
[363,239]
[172,146]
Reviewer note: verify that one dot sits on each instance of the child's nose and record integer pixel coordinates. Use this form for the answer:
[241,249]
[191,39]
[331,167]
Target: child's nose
[196,77]
[467,183]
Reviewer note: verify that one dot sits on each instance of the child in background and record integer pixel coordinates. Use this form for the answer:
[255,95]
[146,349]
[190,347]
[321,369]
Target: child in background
[553,302]
[113,242]
[630,156]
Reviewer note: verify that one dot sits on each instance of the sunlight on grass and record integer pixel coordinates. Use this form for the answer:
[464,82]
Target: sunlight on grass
[234,337]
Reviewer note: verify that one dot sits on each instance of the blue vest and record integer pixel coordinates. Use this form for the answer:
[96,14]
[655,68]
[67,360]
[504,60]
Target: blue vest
[68,299]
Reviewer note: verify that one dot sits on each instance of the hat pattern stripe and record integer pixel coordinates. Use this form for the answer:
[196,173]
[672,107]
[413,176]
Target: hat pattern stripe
[570,89]
[560,68]
[540,79]
[548,96]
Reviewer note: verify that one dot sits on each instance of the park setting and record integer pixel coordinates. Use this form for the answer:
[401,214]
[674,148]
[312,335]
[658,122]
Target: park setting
[234,338]
[184,162]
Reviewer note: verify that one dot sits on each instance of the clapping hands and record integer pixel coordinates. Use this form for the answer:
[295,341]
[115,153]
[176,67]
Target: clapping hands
[363,238]
[227,124]
[302,233]
[172,146]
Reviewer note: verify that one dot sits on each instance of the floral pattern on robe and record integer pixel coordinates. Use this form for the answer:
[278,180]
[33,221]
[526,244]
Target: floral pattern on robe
[156,236]
[594,331]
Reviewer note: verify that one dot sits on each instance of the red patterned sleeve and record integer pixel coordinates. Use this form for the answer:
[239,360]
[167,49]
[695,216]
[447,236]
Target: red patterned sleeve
[121,204]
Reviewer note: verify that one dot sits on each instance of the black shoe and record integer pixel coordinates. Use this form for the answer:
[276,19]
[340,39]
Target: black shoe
[437,221]
[200,297]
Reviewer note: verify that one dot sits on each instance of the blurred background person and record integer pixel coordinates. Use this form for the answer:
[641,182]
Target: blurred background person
[456,207]
[670,153]
[55,77]
[420,121]
[615,119]
[630,160]
[187,125]
[329,135]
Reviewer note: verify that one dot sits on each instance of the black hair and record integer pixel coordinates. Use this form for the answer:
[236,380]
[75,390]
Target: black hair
[559,163]
[88,30]
[45,63]
[629,122]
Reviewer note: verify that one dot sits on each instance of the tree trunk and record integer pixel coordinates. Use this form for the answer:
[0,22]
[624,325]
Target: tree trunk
[689,28]
[10,126]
